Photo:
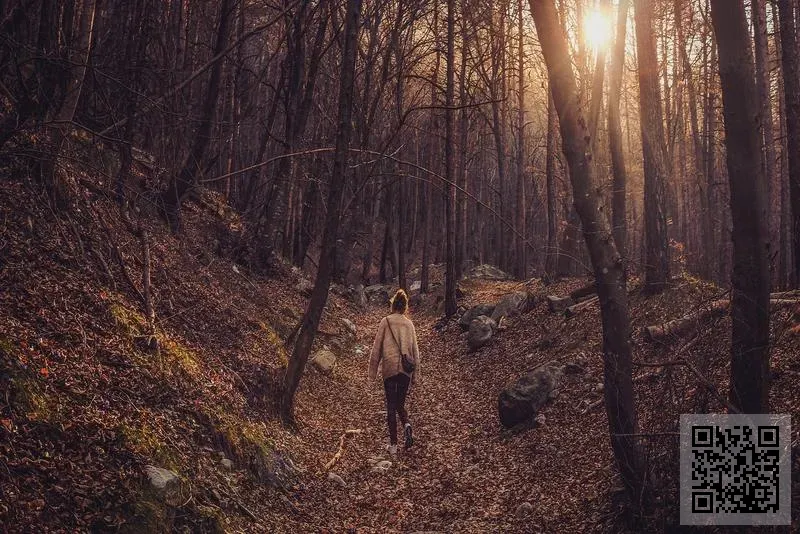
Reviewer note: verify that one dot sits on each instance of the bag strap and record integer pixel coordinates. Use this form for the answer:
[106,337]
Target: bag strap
[389,325]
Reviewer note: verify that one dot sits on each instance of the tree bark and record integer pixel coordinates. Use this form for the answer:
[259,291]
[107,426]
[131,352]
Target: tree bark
[791,93]
[765,106]
[749,388]
[607,263]
[552,256]
[656,262]
[618,197]
[450,304]
[520,237]
[319,295]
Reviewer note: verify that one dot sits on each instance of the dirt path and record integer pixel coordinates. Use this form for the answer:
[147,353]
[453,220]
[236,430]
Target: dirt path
[462,475]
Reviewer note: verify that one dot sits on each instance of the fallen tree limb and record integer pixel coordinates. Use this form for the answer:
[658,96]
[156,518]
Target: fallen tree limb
[339,452]
[689,323]
[573,310]
[584,291]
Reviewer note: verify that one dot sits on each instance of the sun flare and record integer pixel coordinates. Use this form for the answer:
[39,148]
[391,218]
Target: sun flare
[596,29]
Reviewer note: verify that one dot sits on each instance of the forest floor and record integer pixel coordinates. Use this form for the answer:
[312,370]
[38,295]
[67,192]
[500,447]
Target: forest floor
[84,409]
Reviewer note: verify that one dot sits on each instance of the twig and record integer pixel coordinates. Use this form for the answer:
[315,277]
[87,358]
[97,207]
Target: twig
[339,452]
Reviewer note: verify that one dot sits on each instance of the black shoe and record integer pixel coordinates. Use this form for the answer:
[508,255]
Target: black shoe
[409,438]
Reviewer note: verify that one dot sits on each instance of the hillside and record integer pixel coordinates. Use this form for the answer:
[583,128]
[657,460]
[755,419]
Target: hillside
[86,407]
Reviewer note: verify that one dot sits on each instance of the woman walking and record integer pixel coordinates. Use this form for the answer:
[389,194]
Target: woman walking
[395,348]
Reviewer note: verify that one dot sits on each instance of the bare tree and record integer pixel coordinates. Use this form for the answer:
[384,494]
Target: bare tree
[656,261]
[319,295]
[606,261]
[749,389]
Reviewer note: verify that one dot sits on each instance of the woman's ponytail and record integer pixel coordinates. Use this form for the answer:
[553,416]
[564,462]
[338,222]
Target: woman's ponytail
[399,302]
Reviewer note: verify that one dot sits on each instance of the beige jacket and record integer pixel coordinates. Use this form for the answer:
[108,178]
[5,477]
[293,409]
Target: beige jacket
[386,352]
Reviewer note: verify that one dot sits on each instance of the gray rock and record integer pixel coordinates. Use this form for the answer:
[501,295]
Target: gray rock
[359,297]
[572,368]
[166,483]
[473,313]
[558,304]
[599,387]
[487,272]
[333,477]
[324,360]
[384,464]
[378,294]
[521,401]
[351,327]
[524,510]
[511,305]
[415,286]
[227,463]
[304,287]
[481,330]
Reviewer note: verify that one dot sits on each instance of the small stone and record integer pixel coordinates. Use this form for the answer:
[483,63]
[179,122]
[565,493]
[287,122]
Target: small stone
[333,477]
[227,463]
[374,461]
[384,464]
[524,509]
[351,327]
[540,419]
[573,368]
[599,387]
[324,360]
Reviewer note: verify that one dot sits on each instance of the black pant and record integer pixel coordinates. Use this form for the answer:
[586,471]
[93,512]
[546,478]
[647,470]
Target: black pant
[396,388]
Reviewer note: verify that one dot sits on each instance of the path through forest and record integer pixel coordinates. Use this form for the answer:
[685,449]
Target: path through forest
[463,474]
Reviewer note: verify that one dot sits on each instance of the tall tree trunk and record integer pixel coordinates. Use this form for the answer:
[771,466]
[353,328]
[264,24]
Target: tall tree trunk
[619,218]
[656,263]
[463,139]
[765,106]
[319,295]
[749,387]
[520,236]
[450,304]
[552,256]
[187,177]
[706,226]
[606,261]
[791,92]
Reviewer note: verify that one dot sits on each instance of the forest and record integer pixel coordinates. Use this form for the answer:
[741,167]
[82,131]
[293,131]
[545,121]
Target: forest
[207,209]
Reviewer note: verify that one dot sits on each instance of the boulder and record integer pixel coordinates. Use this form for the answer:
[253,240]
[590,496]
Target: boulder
[559,304]
[378,294]
[521,401]
[511,305]
[324,360]
[487,272]
[481,330]
[474,312]
[165,483]
[304,287]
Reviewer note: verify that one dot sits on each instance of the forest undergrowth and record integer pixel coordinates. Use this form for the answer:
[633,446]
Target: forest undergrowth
[85,407]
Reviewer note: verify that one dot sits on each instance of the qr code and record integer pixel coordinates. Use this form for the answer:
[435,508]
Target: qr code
[735,469]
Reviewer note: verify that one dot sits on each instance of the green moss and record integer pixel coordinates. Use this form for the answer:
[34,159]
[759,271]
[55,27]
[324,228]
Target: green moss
[6,346]
[177,355]
[142,439]
[213,519]
[148,516]
[131,321]
[275,342]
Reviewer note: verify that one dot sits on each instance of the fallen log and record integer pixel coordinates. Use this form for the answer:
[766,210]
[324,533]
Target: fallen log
[573,310]
[690,323]
[584,291]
